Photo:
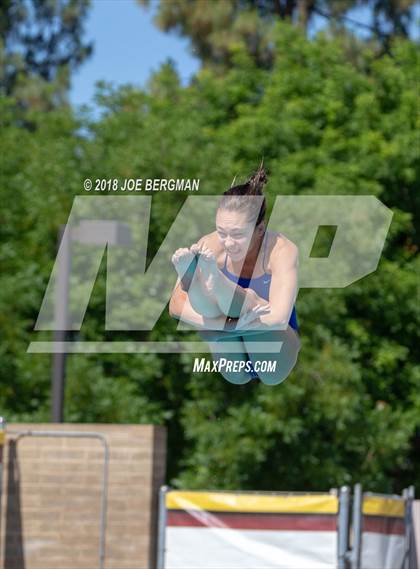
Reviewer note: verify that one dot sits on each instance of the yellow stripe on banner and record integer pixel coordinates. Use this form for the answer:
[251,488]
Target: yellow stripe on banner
[2,437]
[377,506]
[229,502]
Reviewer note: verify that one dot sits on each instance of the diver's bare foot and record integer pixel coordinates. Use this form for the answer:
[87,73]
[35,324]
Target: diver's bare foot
[209,271]
[182,259]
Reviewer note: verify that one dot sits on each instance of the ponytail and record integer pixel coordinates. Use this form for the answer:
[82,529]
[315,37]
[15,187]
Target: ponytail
[256,182]
[235,198]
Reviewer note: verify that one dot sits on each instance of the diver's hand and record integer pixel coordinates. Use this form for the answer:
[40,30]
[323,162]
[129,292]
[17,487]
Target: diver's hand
[250,318]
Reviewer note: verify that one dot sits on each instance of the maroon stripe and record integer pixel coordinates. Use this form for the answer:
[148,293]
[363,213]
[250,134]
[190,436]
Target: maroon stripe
[384,525]
[298,522]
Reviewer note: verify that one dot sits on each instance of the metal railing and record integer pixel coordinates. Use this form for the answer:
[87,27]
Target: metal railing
[105,474]
[355,552]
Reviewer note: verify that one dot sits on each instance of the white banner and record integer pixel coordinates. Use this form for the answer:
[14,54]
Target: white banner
[222,530]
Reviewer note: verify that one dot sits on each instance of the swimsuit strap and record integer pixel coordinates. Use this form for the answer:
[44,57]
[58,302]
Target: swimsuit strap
[265,251]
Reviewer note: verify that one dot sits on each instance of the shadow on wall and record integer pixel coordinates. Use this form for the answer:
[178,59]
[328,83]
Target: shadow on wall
[13,548]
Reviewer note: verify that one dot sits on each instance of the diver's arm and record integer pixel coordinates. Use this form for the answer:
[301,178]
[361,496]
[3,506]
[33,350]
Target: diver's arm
[283,291]
[284,285]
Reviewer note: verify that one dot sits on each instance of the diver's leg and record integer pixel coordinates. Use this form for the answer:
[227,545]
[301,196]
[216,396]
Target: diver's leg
[232,365]
[201,299]
[273,367]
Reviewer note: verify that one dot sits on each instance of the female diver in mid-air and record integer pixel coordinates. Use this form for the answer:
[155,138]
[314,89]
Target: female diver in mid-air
[239,285]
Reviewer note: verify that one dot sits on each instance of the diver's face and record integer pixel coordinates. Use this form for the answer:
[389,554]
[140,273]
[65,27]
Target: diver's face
[235,232]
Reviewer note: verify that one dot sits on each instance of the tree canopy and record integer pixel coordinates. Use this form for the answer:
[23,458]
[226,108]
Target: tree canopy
[41,44]
[214,28]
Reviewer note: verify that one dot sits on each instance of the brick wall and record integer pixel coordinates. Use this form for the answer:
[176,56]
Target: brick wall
[50,507]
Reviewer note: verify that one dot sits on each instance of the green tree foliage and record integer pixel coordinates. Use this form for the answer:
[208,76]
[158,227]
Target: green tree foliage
[391,17]
[216,27]
[350,410]
[41,44]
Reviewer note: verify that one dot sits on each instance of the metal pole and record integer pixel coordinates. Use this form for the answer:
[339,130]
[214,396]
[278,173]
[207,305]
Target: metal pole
[408,495]
[357,527]
[60,325]
[2,443]
[162,527]
[412,551]
[406,527]
[91,232]
[343,527]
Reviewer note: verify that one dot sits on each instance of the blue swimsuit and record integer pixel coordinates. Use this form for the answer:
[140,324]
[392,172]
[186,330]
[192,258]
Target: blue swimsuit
[261,285]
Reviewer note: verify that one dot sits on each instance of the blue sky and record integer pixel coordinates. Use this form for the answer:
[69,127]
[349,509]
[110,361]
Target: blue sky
[128,47]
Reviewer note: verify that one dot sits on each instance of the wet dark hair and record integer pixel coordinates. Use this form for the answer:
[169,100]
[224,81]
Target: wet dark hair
[242,197]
